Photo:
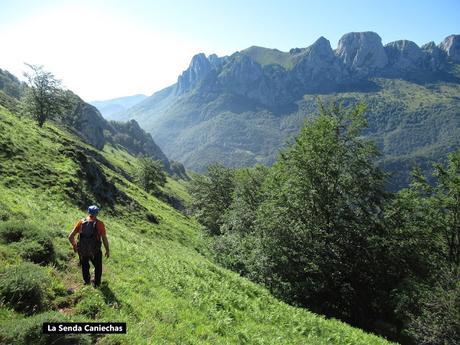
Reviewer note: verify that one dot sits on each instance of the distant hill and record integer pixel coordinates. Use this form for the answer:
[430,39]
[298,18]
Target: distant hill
[240,109]
[112,107]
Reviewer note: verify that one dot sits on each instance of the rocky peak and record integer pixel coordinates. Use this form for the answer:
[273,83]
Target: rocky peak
[362,52]
[317,63]
[241,69]
[451,46]
[434,56]
[404,54]
[320,49]
[217,62]
[198,69]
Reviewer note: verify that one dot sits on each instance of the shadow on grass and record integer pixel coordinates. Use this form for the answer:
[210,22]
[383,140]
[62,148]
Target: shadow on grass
[109,297]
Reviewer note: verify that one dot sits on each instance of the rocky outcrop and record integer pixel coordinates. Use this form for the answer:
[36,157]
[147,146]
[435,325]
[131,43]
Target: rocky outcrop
[451,46]
[217,62]
[96,131]
[90,124]
[434,57]
[137,141]
[362,52]
[404,55]
[317,64]
[272,77]
[198,69]
[241,70]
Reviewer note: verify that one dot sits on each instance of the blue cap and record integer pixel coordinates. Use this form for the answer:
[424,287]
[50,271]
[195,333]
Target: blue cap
[93,210]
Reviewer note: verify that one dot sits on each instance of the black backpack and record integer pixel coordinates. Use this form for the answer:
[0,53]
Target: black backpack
[88,243]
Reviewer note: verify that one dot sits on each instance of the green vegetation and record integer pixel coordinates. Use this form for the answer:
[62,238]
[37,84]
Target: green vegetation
[266,56]
[411,123]
[150,175]
[158,278]
[44,98]
[319,230]
[32,243]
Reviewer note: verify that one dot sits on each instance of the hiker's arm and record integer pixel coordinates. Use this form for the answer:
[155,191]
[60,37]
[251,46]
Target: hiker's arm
[105,241]
[72,238]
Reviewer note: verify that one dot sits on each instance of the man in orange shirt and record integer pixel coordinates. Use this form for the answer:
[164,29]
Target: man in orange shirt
[91,230]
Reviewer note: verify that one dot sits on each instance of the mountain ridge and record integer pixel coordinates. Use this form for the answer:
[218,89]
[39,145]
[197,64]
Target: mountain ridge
[223,108]
[110,108]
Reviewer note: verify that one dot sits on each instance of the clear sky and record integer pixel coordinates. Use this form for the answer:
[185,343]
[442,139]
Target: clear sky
[107,49]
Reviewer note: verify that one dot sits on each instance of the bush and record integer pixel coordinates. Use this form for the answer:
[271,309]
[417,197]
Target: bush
[13,231]
[29,331]
[23,287]
[37,252]
[32,243]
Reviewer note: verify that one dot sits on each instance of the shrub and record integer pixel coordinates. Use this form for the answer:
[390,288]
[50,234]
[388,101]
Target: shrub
[32,244]
[29,331]
[23,287]
[39,250]
[13,231]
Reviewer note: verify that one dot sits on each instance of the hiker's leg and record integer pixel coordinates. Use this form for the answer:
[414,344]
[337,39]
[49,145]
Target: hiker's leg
[97,262]
[85,270]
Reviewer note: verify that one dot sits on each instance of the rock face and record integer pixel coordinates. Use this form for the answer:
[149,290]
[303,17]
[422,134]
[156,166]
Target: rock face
[91,125]
[96,131]
[404,55]
[197,70]
[317,64]
[131,136]
[435,57]
[273,78]
[451,46]
[240,71]
[362,52]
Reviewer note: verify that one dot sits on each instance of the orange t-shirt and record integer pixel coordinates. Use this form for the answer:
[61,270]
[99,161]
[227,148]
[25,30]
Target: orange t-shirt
[100,227]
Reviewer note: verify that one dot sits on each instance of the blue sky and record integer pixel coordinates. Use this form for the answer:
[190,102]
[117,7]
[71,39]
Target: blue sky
[106,49]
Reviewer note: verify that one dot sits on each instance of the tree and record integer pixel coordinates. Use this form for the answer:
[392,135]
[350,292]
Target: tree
[321,223]
[211,196]
[238,246]
[438,322]
[44,98]
[150,174]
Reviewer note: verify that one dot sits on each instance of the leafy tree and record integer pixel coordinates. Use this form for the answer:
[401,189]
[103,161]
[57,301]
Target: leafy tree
[246,198]
[426,217]
[438,322]
[150,174]
[238,246]
[44,98]
[212,195]
[446,203]
[321,224]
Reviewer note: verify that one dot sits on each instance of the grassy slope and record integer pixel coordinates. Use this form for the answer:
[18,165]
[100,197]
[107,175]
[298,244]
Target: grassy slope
[159,281]
[266,56]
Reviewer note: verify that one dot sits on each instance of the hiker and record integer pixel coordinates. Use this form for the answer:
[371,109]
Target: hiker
[91,230]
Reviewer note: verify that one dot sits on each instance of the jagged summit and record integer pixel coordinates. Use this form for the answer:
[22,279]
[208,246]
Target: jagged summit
[358,55]
[451,46]
[362,52]
[239,109]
